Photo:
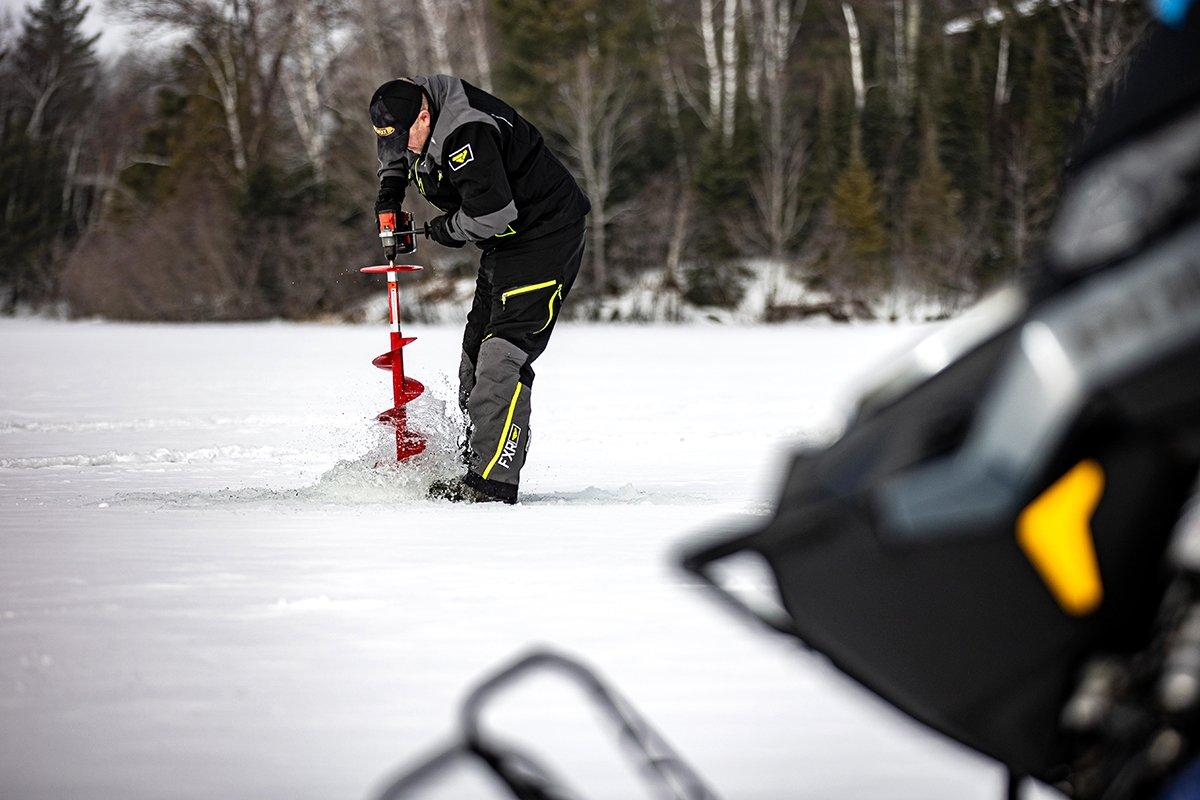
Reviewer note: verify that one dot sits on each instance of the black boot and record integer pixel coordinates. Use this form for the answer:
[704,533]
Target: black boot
[464,490]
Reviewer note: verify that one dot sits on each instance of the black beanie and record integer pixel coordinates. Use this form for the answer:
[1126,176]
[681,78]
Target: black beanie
[395,106]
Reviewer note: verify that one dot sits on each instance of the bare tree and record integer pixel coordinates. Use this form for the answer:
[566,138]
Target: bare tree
[854,43]
[475,12]
[712,63]
[1031,196]
[599,124]
[306,77]
[716,103]
[1002,87]
[681,214]
[906,31]
[729,70]
[242,45]
[436,15]
[1101,32]
[776,191]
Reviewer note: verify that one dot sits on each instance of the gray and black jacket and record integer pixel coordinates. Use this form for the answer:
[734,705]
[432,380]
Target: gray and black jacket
[485,166]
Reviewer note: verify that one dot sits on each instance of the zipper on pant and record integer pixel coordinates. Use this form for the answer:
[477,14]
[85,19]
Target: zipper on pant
[524,289]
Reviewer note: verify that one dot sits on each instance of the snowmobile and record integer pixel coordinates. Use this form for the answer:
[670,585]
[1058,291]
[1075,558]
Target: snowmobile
[1004,542]
[509,772]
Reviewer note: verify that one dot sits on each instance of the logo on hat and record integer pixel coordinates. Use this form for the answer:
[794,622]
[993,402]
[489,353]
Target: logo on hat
[460,158]
[388,131]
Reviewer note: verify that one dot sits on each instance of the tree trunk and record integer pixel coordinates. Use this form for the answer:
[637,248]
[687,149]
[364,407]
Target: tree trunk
[476,14]
[435,14]
[729,71]
[711,62]
[856,64]
[1001,96]
[221,68]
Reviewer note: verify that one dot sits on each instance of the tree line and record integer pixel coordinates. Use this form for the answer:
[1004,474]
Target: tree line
[223,166]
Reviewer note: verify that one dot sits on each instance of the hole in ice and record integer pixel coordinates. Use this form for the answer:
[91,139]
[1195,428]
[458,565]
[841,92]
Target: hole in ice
[373,477]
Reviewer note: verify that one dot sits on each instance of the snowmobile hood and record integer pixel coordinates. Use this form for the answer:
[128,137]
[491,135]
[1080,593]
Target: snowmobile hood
[970,539]
[998,509]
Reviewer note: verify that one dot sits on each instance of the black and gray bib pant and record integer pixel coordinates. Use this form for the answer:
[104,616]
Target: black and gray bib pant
[518,296]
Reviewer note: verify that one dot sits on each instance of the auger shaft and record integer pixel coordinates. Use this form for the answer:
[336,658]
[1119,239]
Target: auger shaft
[404,389]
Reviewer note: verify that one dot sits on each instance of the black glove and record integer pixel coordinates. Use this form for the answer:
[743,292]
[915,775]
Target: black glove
[439,231]
[391,196]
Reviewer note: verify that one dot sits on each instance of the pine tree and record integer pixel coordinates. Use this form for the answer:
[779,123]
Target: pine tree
[53,66]
[933,234]
[860,243]
[56,63]
[1045,127]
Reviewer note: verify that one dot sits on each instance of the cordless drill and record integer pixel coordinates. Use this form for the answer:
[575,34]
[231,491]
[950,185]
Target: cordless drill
[398,234]
[395,233]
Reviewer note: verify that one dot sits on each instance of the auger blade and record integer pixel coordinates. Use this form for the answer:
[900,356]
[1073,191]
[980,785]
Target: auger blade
[385,361]
[408,443]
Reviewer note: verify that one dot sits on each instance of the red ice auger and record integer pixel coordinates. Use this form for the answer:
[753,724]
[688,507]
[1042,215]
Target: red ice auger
[404,389]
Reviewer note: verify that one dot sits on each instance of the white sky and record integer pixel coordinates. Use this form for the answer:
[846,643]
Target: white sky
[113,35]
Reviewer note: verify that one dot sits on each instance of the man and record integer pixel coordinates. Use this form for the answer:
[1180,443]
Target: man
[500,188]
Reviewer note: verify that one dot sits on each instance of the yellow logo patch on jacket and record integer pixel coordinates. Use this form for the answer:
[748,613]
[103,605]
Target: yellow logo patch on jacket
[460,158]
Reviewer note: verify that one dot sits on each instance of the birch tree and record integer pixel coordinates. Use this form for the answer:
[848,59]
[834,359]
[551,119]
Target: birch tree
[306,78]
[1101,31]
[436,16]
[681,214]
[475,12]
[906,32]
[242,45]
[854,44]
[599,124]
[776,191]
[715,103]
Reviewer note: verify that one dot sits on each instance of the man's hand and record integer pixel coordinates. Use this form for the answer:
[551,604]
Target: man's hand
[439,231]
[391,196]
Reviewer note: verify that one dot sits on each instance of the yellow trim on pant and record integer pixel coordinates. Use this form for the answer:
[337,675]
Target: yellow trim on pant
[512,406]
[555,296]
[523,289]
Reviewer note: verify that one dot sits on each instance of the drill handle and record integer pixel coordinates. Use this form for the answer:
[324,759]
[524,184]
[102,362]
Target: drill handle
[398,233]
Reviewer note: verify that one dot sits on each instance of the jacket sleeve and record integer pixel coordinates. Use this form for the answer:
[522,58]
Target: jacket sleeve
[393,164]
[475,167]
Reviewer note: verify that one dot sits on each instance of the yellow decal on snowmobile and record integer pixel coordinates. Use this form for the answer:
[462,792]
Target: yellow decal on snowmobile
[388,131]
[1055,533]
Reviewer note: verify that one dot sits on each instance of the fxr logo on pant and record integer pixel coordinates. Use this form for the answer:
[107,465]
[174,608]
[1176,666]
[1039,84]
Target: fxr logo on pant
[510,447]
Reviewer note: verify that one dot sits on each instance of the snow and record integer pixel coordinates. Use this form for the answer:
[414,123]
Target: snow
[207,589]
[773,290]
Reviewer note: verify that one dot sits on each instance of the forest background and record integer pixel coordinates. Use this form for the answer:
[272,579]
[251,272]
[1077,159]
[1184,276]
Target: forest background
[222,165]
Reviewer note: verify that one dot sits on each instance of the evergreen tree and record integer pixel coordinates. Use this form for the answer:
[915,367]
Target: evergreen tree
[855,257]
[1045,126]
[53,69]
[56,63]
[933,235]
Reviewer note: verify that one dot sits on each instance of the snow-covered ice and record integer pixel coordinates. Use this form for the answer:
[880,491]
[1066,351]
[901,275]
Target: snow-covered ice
[207,590]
